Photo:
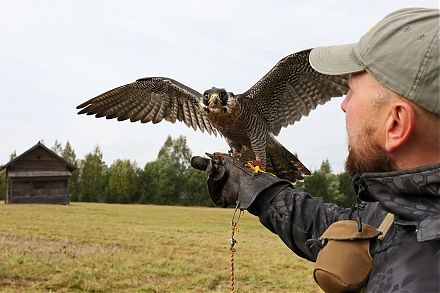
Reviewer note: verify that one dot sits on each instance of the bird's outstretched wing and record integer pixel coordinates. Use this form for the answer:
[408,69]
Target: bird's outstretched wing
[150,99]
[290,90]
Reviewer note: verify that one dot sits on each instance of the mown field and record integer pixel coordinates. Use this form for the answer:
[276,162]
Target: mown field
[87,247]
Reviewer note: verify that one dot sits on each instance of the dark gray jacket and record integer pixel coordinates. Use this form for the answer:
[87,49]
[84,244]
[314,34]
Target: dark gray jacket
[407,260]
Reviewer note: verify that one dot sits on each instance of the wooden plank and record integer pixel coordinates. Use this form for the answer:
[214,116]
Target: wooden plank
[38,159]
[46,173]
[8,184]
[41,199]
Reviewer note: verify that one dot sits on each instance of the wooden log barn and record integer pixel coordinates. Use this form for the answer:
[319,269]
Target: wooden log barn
[38,175]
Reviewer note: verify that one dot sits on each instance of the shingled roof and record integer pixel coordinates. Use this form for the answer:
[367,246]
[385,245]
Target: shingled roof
[70,166]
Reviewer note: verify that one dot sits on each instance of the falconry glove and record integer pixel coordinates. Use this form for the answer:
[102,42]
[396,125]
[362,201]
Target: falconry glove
[229,180]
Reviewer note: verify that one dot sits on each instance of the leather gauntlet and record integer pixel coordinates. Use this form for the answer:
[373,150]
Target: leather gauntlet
[229,180]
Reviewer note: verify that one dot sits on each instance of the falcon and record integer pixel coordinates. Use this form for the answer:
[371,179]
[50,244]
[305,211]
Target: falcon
[249,121]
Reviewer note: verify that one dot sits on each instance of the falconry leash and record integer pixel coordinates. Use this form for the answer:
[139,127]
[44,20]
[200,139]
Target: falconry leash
[233,241]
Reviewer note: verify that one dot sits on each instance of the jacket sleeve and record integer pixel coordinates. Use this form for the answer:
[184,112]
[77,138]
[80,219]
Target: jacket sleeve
[295,216]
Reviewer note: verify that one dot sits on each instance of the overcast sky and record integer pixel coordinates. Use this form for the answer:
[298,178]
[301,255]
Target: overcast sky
[55,55]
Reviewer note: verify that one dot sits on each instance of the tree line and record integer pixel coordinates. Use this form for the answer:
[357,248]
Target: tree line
[168,180]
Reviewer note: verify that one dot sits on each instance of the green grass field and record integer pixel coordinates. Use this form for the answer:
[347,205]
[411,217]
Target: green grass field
[87,247]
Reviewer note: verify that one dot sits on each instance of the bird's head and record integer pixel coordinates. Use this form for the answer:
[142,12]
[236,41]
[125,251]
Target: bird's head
[217,100]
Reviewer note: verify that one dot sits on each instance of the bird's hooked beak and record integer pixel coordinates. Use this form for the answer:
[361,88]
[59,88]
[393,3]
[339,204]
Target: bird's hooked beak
[214,99]
[215,103]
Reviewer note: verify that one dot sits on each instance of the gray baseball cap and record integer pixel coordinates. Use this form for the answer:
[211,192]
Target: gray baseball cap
[401,52]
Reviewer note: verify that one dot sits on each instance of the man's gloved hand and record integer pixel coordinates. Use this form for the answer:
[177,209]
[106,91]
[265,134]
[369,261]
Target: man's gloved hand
[229,180]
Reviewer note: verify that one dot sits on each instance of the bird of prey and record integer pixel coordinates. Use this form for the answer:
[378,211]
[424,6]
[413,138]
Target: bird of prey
[248,121]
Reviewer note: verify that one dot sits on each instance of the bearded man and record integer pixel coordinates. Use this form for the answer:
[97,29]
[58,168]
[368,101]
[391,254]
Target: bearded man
[392,115]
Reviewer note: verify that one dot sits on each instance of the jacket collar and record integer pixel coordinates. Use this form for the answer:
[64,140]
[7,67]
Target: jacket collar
[412,195]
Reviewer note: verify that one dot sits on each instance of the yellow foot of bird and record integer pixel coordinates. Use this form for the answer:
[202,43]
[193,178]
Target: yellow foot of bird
[255,166]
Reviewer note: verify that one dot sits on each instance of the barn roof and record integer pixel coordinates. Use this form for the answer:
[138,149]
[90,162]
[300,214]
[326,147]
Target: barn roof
[70,166]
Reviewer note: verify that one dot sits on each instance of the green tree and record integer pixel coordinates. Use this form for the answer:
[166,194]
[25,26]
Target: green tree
[325,184]
[13,155]
[325,167]
[173,159]
[346,188]
[170,179]
[196,191]
[176,153]
[150,186]
[57,148]
[315,184]
[93,177]
[122,182]
[69,155]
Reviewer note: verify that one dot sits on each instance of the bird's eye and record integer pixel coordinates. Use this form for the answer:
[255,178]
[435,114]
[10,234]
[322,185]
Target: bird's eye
[224,99]
[205,99]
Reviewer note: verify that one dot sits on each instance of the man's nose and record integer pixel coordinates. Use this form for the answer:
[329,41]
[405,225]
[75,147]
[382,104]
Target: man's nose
[343,105]
[345,102]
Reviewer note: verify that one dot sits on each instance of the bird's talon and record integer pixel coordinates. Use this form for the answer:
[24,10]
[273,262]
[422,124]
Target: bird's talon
[254,167]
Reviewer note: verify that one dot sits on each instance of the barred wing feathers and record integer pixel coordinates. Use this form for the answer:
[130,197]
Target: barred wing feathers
[151,99]
[291,90]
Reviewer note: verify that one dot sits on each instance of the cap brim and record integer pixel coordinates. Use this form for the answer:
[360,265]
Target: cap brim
[335,60]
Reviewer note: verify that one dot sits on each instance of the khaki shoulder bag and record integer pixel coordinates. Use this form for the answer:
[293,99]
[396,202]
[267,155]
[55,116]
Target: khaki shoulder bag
[345,262]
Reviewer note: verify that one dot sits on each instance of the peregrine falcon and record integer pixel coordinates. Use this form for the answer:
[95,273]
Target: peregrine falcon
[248,121]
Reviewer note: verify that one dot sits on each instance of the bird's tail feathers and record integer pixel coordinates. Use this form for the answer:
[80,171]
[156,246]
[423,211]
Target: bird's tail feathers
[283,163]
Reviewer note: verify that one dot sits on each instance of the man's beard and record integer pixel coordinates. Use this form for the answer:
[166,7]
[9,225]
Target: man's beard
[368,156]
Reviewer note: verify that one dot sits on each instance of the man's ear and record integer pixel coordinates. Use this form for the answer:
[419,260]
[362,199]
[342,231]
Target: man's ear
[399,125]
